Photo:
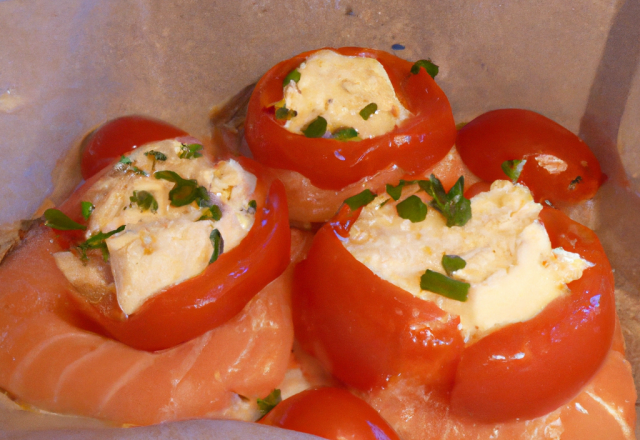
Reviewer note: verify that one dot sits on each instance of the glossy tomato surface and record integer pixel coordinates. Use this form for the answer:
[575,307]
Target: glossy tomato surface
[331,413]
[190,308]
[119,136]
[367,331]
[560,167]
[416,145]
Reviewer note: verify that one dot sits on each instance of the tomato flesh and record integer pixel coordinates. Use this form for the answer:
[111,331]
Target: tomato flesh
[367,331]
[331,413]
[190,308]
[516,134]
[416,145]
[119,136]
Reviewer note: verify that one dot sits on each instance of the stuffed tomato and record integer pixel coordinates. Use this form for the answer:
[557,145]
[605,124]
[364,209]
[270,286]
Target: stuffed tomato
[495,307]
[168,244]
[329,121]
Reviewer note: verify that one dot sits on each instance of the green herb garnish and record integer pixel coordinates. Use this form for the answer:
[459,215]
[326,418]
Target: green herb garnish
[396,191]
[431,68]
[451,263]
[445,286]
[98,241]
[268,403]
[218,245]
[285,114]
[56,219]
[253,205]
[144,200]
[368,110]
[190,151]
[513,168]
[87,209]
[125,164]
[211,213]
[294,76]
[455,207]
[574,183]
[156,155]
[184,191]
[316,129]
[412,208]
[345,134]
[360,199]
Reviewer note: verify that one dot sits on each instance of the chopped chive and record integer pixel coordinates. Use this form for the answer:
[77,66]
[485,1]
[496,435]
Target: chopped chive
[87,209]
[156,155]
[438,283]
[360,199]
[451,263]
[144,200]
[190,151]
[98,241]
[56,219]
[268,403]
[211,213]
[455,207]
[217,243]
[428,66]
[412,208]
[184,191]
[368,110]
[294,76]
[317,128]
[285,114]
[344,134]
[513,168]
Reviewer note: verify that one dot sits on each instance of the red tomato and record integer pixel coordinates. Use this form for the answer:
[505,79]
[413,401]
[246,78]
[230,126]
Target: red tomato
[419,143]
[515,134]
[188,309]
[528,369]
[366,330]
[331,413]
[119,136]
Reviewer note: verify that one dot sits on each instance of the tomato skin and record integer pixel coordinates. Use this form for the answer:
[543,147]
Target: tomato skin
[119,136]
[331,413]
[563,346]
[419,143]
[362,329]
[514,134]
[190,308]
[365,329]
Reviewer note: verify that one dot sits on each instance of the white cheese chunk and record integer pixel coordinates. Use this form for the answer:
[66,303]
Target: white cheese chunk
[338,87]
[513,272]
[163,247]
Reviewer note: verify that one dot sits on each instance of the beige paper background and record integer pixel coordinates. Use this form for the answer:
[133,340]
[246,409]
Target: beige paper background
[68,65]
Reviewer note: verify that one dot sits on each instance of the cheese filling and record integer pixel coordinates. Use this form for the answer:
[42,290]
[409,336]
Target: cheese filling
[338,87]
[161,244]
[512,270]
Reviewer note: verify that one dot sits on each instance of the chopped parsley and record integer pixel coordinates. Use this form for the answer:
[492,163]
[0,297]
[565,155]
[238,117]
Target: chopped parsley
[56,219]
[428,66]
[268,403]
[87,209]
[451,263]
[184,191]
[284,114]
[368,110]
[513,168]
[316,129]
[97,241]
[412,208]
[345,134]
[360,199]
[574,183]
[144,200]
[455,207]
[396,191]
[443,285]
[294,76]
[217,243]
[211,213]
[125,164]
[190,151]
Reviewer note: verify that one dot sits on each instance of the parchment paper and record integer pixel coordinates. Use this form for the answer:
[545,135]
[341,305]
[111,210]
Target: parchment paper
[69,65]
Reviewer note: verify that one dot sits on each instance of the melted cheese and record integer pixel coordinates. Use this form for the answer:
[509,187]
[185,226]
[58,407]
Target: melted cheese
[512,269]
[161,248]
[337,87]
